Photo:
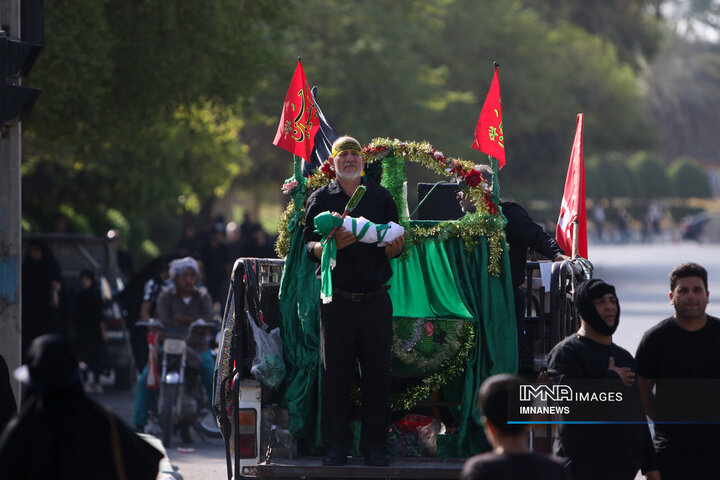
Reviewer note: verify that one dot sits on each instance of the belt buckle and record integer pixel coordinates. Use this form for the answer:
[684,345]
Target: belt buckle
[357,297]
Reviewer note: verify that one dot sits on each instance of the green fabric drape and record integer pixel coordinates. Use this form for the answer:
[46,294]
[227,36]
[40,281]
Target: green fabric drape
[434,279]
[439,279]
[490,299]
[423,285]
[299,301]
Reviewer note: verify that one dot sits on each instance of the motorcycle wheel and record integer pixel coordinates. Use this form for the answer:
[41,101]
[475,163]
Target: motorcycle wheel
[207,423]
[167,417]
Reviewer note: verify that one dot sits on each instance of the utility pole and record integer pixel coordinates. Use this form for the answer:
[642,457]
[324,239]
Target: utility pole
[10,218]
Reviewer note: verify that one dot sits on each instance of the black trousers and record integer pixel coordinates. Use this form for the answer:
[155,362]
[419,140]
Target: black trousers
[351,332]
[689,464]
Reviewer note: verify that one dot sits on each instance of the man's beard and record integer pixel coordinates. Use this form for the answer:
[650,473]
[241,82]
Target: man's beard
[349,176]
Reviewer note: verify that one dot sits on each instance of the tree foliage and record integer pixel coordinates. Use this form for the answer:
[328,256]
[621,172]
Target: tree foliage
[650,176]
[420,70]
[157,107]
[688,178]
[142,102]
[627,25]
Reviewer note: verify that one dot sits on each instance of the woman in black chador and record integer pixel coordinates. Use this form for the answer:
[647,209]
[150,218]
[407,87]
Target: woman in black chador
[88,327]
[41,287]
[61,433]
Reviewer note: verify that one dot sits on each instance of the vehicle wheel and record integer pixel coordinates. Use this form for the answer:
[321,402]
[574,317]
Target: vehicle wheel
[167,414]
[207,423]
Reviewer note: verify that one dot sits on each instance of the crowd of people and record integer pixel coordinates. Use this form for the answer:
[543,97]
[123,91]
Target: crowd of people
[618,225]
[54,302]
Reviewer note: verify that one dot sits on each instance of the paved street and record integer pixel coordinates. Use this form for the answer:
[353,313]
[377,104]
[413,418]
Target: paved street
[639,272]
[206,463]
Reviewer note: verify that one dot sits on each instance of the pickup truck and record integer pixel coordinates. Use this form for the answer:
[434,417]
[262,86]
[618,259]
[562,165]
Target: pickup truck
[454,325]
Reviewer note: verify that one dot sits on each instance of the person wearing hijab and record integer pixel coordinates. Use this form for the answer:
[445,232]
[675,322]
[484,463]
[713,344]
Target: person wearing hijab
[590,359]
[41,288]
[61,433]
[89,329]
[8,407]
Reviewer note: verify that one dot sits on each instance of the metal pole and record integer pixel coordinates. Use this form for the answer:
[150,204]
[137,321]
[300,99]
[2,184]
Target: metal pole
[576,229]
[10,220]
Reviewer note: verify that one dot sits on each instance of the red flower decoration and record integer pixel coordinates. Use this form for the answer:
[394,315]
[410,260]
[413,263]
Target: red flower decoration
[327,169]
[473,178]
[429,329]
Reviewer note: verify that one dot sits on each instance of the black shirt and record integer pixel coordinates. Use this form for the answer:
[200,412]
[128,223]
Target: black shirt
[683,365]
[514,466]
[601,451]
[361,267]
[523,233]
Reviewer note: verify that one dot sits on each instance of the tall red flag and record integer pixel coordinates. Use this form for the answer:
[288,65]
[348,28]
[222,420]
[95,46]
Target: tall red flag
[299,120]
[573,201]
[489,130]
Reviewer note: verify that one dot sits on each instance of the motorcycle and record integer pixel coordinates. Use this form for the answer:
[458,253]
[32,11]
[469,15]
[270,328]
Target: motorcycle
[182,403]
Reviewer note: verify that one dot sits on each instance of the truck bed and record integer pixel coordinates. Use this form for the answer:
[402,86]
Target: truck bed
[400,467]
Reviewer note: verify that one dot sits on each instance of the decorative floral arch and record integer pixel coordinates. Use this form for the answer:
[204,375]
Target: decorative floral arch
[486,222]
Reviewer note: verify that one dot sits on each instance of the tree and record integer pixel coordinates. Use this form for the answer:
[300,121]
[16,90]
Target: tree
[650,175]
[628,25]
[688,178]
[144,102]
[617,179]
[683,97]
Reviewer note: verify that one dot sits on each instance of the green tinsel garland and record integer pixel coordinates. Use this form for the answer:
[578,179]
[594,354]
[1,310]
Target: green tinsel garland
[485,222]
[404,349]
[414,395]
[453,368]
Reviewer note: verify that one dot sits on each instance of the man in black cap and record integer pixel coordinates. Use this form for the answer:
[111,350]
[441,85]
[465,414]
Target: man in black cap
[61,433]
[589,358]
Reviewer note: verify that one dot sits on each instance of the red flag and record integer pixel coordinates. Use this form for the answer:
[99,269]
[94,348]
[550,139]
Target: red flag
[573,201]
[299,120]
[489,130]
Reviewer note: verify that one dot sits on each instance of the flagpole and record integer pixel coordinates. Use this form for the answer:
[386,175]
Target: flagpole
[576,229]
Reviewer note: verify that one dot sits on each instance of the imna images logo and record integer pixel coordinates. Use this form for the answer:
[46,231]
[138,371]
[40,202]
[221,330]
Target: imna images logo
[544,393]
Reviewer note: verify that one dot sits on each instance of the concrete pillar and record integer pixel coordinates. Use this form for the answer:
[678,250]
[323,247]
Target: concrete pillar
[10,220]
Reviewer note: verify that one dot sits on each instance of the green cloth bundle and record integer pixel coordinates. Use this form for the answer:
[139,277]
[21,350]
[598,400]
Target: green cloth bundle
[364,230]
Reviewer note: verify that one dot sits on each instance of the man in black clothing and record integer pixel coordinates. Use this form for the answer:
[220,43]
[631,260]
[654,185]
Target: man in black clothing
[680,357]
[510,458]
[357,324]
[521,233]
[589,358]
[8,407]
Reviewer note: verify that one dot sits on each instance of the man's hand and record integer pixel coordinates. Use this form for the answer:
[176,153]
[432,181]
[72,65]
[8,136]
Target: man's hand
[343,238]
[653,475]
[625,373]
[560,258]
[394,248]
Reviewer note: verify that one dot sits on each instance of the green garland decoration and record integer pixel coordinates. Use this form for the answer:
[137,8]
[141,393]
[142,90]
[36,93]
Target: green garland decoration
[451,369]
[404,349]
[282,244]
[486,221]
[447,371]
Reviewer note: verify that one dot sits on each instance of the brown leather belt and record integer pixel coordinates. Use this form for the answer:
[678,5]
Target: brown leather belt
[361,296]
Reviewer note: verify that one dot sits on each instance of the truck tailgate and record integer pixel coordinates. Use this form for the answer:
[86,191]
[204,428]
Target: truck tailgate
[311,467]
